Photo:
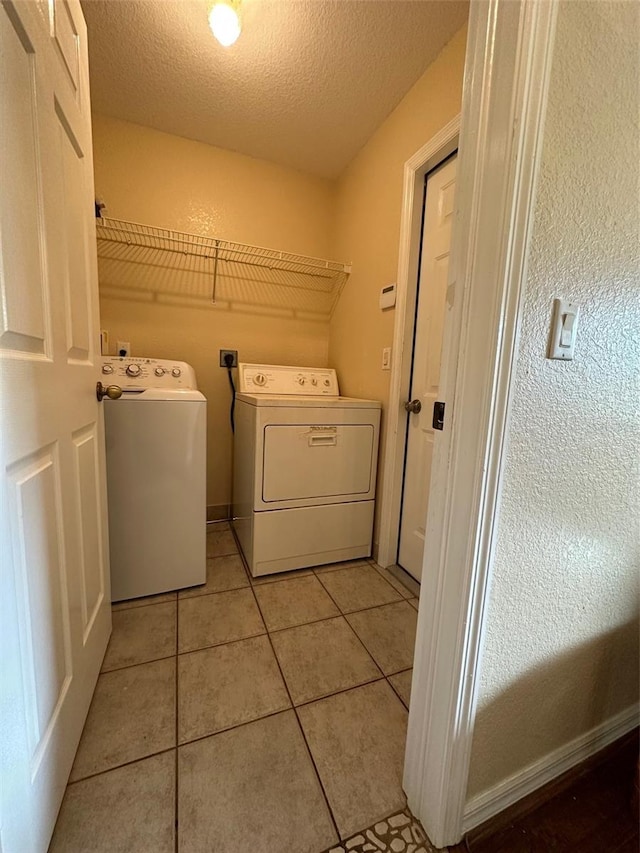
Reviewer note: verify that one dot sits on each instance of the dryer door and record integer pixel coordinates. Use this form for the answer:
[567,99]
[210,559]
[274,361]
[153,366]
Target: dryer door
[332,461]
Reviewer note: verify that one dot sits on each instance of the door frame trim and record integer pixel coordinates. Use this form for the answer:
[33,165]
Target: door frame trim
[507,70]
[427,158]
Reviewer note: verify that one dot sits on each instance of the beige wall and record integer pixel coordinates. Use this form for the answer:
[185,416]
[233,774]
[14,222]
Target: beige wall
[163,180]
[367,223]
[561,641]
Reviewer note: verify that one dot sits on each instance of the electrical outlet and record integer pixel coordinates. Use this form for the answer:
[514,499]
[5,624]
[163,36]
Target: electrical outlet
[123,349]
[234,355]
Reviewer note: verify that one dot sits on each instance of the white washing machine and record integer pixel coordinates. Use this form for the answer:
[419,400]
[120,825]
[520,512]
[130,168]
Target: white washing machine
[156,476]
[305,462]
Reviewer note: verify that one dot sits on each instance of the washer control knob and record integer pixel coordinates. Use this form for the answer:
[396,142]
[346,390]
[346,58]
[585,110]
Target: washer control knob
[327,382]
[176,372]
[159,371]
[133,370]
[107,368]
[260,379]
[301,380]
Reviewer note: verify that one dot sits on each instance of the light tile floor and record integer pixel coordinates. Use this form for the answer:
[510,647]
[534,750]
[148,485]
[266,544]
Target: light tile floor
[248,714]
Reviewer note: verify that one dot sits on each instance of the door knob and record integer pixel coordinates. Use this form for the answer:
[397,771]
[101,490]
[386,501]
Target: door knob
[413,406]
[110,391]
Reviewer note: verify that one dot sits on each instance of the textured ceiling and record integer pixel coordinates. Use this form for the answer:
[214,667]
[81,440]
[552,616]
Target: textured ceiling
[305,85]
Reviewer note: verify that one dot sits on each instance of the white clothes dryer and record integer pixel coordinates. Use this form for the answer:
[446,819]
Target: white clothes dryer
[305,462]
[156,476]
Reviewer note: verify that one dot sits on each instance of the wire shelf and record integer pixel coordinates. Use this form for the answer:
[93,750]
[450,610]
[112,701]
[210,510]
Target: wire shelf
[157,260]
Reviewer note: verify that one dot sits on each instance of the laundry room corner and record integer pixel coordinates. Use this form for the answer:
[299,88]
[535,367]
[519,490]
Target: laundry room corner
[157,179]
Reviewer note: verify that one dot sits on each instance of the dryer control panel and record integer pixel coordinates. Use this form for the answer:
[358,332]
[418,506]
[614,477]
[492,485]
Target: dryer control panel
[139,374]
[288,381]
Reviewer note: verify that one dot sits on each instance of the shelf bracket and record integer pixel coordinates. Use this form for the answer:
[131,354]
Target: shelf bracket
[215,271]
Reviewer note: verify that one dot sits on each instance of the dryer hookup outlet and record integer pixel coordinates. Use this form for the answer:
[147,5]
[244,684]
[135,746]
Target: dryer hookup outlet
[228,358]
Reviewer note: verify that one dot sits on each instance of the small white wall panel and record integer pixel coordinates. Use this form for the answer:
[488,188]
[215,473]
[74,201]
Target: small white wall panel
[35,508]
[66,38]
[75,258]
[446,200]
[22,283]
[92,567]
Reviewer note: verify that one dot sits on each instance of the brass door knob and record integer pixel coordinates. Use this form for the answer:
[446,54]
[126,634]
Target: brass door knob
[110,391]
[413,406]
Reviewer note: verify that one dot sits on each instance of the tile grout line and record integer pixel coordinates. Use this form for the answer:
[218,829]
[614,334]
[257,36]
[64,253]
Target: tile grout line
[268,583]
[380,570]
[235,726]
[286,687]
[395,691]
[255,637]
[120,766]
[292,707]
[138,663]
[116,606]
[353,632]
[384,674]
[362,643]
[384,604]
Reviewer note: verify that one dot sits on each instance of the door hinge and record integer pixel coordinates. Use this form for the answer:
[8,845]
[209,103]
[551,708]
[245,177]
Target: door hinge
[438,415]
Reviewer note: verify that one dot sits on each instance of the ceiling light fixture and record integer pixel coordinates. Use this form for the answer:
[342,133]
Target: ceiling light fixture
[224,21]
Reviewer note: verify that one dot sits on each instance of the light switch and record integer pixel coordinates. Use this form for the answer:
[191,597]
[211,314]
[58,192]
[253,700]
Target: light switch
[386,358]
[563,329]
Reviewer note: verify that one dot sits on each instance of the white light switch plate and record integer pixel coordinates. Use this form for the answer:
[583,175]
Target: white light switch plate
[386,358]
[564,327]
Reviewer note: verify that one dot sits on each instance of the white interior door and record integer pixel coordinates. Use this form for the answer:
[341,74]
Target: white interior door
[54,586]
[425,377]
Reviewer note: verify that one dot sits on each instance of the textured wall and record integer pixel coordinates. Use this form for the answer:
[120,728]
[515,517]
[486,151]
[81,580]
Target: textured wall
[367,228]
[561,642]
[163,180]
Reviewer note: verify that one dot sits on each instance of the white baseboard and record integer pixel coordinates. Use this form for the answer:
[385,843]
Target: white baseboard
[490,803]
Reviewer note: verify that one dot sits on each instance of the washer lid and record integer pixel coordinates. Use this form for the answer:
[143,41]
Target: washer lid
[161,395]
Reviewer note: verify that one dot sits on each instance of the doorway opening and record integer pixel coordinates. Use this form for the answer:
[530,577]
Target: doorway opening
[439,152]
[425,412]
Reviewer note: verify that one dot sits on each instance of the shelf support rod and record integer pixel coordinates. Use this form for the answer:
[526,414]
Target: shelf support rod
[215,272]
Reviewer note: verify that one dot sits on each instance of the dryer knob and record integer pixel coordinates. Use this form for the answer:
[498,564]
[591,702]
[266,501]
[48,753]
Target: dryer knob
[176,372]
[327,382]
[133,370]
[314,381]
[260,379]
[301,380]
[107,368]
[159,371]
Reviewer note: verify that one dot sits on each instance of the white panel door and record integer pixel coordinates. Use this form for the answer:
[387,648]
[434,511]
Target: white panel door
[54,586]
[425,377]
